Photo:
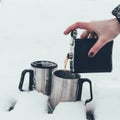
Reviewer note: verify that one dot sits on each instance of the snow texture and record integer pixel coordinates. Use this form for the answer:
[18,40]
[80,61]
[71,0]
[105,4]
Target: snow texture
[32,30]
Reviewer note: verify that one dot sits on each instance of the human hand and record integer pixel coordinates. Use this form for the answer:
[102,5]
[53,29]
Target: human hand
[105,31]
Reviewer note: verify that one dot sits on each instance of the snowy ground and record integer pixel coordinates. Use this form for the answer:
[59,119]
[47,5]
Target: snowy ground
[33,30]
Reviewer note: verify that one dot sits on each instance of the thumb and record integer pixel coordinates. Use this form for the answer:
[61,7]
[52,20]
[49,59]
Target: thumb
[96,47]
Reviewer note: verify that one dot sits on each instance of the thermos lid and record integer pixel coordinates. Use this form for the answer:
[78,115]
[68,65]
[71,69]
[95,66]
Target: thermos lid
[44,64]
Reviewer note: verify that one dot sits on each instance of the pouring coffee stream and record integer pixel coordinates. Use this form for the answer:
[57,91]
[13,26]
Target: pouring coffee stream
[65,62]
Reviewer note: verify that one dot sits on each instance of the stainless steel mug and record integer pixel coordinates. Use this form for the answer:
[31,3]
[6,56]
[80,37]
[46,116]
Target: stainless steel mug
[67,86]
[40,76]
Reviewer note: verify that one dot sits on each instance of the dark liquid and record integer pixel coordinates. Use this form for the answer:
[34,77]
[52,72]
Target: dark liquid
[65,74]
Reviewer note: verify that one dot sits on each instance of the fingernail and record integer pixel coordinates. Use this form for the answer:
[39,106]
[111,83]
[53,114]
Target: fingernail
[91,54]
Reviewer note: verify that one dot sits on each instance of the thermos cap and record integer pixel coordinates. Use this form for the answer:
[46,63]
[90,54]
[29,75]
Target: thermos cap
[44,64]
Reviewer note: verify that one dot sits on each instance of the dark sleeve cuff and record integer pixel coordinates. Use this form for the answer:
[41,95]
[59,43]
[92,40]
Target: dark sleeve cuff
[116,13]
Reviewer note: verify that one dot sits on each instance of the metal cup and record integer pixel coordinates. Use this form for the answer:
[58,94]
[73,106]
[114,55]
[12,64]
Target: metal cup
[40,76]
[67,86]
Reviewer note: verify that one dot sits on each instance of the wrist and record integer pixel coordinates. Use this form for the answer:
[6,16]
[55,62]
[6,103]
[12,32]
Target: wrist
[115,25]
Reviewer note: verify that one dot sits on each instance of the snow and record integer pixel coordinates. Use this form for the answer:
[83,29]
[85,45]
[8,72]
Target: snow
[32,30]
[70,111]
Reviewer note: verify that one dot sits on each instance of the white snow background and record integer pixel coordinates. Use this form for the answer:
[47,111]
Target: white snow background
[32,30]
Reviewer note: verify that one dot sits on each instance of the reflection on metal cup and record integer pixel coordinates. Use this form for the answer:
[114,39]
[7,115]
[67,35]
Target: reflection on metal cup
[67,86]
[40,76]
[64,87]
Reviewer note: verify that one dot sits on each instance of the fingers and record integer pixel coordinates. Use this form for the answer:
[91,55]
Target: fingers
[96,47]
[89,35]
[81,25]
[93,35]
[85,34]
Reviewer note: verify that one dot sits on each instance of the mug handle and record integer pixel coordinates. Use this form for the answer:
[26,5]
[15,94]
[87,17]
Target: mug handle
[81,81]
[30,79]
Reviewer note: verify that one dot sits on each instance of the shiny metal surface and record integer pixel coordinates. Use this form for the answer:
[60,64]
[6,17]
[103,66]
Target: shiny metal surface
[42,79]
[64,87]
[43,75]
